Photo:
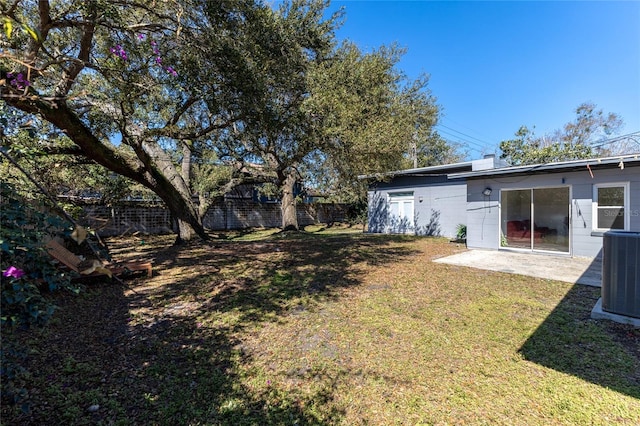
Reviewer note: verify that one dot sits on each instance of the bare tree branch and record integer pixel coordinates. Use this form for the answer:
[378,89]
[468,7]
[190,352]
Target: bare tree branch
[69,75]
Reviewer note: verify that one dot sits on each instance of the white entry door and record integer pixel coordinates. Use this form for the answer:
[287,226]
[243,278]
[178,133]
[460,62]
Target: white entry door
[401,215]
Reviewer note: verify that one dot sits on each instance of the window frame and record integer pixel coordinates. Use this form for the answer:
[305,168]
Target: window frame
[596,206]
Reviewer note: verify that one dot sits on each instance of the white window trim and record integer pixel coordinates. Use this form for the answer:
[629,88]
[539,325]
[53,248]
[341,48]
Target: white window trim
[594,203]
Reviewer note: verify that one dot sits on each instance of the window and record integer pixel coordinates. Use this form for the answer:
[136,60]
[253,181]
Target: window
[610,206]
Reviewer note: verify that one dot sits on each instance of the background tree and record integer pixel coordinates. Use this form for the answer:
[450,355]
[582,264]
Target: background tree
[373,120]
[277,141]
[427,147]
[580,138]
[434,150]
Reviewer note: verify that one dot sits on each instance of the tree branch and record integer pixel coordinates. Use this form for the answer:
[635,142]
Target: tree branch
[69,75]
[181,110]
[59,114]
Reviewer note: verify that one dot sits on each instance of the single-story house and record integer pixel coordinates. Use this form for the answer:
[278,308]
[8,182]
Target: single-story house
[560,208]
[422,201]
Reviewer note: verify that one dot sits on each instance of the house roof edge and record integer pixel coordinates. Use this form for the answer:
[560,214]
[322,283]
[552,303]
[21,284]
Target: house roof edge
[608,162]
[419,170]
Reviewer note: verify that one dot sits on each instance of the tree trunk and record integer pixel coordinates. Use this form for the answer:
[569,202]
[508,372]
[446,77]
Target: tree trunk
[185,232]
[186,163]
[289,215]
[203,206]
[184,210]
[152,168]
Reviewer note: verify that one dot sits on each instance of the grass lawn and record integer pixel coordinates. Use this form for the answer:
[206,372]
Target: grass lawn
[330,326]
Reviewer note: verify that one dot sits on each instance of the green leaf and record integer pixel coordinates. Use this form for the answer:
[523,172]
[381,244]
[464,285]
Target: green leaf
[8,26]
[34,33]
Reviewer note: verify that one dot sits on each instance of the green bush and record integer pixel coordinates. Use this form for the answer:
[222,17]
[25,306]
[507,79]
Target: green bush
[357,213]
[27,268]
[27,276]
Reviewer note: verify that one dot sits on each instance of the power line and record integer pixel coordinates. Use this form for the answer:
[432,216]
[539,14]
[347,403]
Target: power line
[460,139]
[464,134]
[465,127]
[471,149]
[631,136]
[472,142]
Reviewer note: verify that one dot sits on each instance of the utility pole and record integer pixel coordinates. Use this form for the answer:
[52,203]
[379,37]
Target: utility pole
[414,152]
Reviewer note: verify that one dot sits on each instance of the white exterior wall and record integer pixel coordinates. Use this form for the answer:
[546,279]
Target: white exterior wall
[483,213]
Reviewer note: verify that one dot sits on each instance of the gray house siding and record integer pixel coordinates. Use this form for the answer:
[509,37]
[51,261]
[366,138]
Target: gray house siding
[439,205]
[482,216]
[483,212]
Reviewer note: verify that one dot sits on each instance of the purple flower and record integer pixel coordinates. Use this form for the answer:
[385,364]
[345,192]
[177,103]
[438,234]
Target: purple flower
[19,81]
[140,36]
[172,71]
[14,272]
[119,51]
[155,49]
[159,60]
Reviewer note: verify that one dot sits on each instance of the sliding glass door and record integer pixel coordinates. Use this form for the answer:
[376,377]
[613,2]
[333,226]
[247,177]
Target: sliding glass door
[535,219]
[516,219]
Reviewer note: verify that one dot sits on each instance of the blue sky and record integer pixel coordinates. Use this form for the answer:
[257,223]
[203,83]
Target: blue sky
[495,66]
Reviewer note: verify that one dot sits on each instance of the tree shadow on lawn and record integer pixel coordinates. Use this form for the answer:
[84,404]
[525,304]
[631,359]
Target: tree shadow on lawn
[269,278]
[601,352]
[181,359]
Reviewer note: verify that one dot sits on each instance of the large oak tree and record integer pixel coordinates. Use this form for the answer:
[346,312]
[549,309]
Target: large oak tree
[181,96]
[156,78]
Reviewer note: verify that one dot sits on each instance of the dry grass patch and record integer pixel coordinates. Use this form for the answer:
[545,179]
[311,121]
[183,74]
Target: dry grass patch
[328,327]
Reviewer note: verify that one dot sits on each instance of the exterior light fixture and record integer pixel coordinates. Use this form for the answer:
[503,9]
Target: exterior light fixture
[420,199]
[487,191]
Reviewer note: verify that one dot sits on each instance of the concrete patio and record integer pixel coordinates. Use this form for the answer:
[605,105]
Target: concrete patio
[579,270]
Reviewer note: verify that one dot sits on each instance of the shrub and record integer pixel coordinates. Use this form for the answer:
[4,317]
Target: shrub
[27,268]
[357,213]
[27,276]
